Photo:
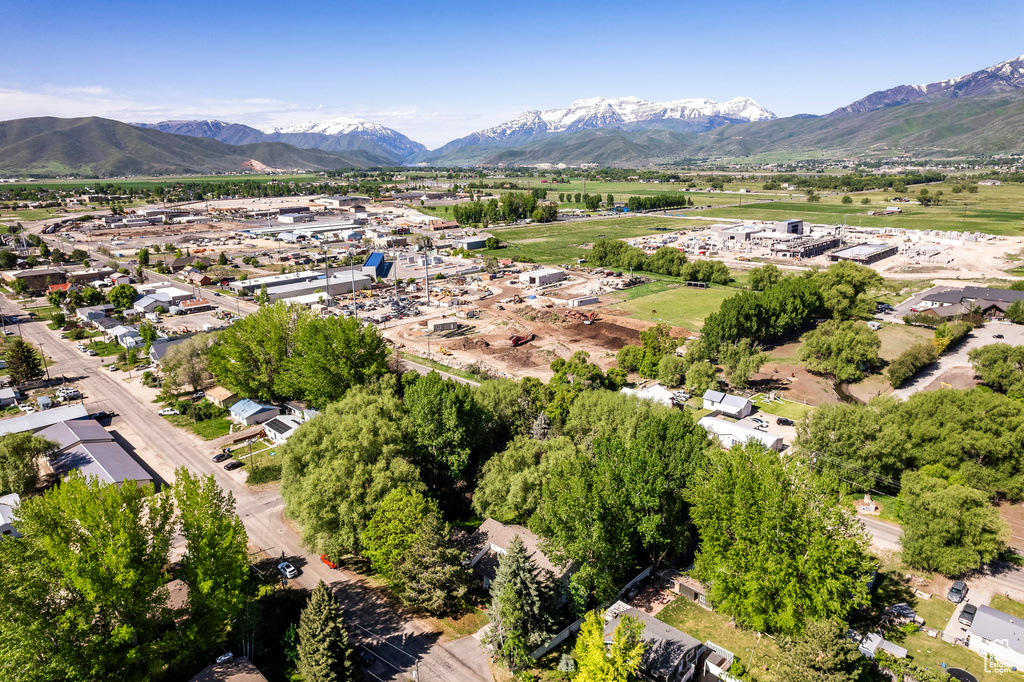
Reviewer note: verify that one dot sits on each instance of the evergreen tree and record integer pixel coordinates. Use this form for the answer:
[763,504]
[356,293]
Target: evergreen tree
[823,654]
[434,576]
[23,363]
[324,652]
[519,608]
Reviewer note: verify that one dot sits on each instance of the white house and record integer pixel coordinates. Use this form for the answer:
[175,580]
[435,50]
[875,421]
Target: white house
[731,433]
[733,406]
[280,428]
[250,412]
[656,393]
[999,635]
[8,504]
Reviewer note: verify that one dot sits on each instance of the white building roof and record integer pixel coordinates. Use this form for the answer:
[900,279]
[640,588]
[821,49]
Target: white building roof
[995,625]
[656,393]
[738,432]
[42,419]
[8,503]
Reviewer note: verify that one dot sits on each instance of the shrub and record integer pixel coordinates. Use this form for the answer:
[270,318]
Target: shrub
[910,362]
[264,474]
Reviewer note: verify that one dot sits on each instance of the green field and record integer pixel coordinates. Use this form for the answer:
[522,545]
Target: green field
[995,210]
[678,305]
[784,408]
[564,241]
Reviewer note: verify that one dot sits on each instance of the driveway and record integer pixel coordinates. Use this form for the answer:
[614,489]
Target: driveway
[161,448]
[1013,334]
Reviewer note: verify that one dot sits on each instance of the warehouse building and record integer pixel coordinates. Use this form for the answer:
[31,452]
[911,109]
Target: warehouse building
[805,247]
[542,277]
[865,254]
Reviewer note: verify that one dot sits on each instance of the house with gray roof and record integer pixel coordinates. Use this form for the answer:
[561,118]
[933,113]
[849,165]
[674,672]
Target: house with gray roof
[249,412]
[40,420]
[999,635]
[280,428]
[492,539]
[9,396]
[89,448]
[671,655]
[731,433]
[733,406]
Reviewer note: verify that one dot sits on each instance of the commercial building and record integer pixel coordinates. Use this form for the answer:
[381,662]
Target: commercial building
[342,202]
[732,433]
[791,226]
[253,285]
[90,275]
[805,247]
[865,254]
[583,300]
[85,446]
[36,279]
[40,420]
[542,277]
[335,285]
[471,243]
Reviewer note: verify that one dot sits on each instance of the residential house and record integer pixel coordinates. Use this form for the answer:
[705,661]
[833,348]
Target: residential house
[731,433]
[222,397]
[9,396]
[238,669]
[159,349]
[124,335]
[66,287]
[104,324]
[733,406]
[249,412]
[86,446]
[90,313]
[656,393]
[671,655]
[874,642]
[150,302]
[120,278]
[30,423]
[993,302]
[493,538]
[194,276]
[280,428]
[180,263]
[8,505]
[999,635]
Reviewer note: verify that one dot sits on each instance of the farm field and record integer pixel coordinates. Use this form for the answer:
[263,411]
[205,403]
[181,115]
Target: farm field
[563,242]
[995,210]
[675,304]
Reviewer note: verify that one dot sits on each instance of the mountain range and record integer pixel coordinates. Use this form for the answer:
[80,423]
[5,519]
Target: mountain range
[978,113]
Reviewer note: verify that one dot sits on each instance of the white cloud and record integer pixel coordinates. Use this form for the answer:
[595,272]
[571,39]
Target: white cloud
[432,128]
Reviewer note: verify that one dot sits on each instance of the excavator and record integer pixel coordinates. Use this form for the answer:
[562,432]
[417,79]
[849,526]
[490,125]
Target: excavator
[520,339]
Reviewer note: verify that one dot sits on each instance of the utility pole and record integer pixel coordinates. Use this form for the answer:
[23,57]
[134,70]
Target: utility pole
[41,355]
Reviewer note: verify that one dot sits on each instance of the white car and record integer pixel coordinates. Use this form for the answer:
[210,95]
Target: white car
[167,412]
[90,352]
[287,570]
[759,423]
[24,407]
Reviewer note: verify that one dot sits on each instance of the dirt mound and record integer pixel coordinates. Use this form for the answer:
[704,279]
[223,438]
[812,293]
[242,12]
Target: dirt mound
[605,334]
[639,325]
[520,358]
[468,344]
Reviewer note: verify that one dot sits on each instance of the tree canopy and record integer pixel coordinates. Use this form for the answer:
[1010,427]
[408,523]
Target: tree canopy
[842,351]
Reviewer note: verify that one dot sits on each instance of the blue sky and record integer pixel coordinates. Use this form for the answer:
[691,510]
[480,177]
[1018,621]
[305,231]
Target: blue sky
[436,71]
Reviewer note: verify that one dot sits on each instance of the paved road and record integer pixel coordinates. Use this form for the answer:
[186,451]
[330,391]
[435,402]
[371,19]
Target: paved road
[396,640]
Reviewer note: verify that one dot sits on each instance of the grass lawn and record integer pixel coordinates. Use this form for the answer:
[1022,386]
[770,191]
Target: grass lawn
[207,429]
[897,338]
[705,625]
[1007,605]
[563,242]
[784,408]
[104,349]
[261,453]
[454,628]
[677,305]
[438,366]
[44,312]
[886,506]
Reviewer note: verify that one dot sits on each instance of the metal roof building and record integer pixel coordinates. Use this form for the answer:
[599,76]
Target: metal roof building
[999,635]
[40,420]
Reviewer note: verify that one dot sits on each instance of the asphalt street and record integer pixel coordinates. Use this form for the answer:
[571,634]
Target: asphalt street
[397,640]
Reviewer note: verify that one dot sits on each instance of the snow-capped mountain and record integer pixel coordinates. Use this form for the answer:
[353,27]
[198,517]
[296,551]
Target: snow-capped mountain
[389,139]
[1002,77]
[626,112]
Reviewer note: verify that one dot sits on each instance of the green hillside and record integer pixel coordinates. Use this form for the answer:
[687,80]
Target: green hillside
[98,147]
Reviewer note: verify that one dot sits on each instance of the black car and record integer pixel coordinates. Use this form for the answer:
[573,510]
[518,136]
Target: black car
[232,465]
[220,457]
[784,421]
[997,336]
[368,658]
[957,591]
[967,615]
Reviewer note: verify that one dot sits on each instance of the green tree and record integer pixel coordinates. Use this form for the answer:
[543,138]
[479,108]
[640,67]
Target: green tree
[144,256]
[764,277]
[8,260]
[1015,313]
[19,286]
[59,319]
[823,653]
[520,613]
[263,298]
[844,286]
[671,370]
[740,360]
[82,593]
[743,502]
[840,350]
[445,423]
[148,333]
[947,526]
[511,481]
[323,649]
[847,199]
[19,461]
[392,530]
[701,376]
[596,662]
[433,572]
[251,356]
[1000,366]
[339,466]
[122,296]
[329,356]
[23,362]
[188,362]
[865,200]
[222,259]
[610,200]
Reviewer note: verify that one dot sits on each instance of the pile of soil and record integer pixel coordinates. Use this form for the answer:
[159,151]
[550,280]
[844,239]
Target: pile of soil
[468,344]
[520,358]
[608,335]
